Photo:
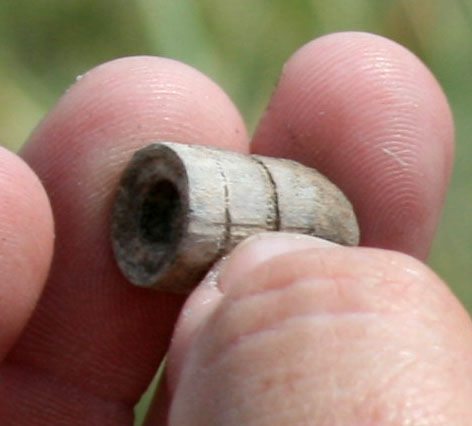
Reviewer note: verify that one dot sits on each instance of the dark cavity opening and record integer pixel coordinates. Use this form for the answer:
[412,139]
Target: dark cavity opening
[160,214]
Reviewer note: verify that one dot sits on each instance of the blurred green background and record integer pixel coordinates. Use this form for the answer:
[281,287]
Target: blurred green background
[241,44]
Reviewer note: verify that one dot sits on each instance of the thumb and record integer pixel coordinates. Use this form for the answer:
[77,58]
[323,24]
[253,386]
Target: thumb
[317,334]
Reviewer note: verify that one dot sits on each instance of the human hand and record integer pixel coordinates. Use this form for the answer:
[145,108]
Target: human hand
[298,331]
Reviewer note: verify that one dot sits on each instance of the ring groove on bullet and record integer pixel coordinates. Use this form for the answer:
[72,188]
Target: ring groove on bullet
[227,236]
[273,218]
[179,208]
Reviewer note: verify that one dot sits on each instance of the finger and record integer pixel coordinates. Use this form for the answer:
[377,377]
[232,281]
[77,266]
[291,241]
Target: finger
[368,114]
[26,241]
[328,335]
[94,335]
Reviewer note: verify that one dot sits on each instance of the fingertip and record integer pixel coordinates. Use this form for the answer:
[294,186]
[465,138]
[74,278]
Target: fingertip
[132,100]
[26,244]
[369,115]
[79,152]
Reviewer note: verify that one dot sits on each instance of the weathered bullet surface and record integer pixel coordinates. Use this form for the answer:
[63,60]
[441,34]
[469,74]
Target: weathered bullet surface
[179,208]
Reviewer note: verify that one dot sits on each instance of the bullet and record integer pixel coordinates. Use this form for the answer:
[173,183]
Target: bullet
[179,208]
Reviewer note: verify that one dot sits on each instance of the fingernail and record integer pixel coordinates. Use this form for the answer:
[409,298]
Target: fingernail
[260,248]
